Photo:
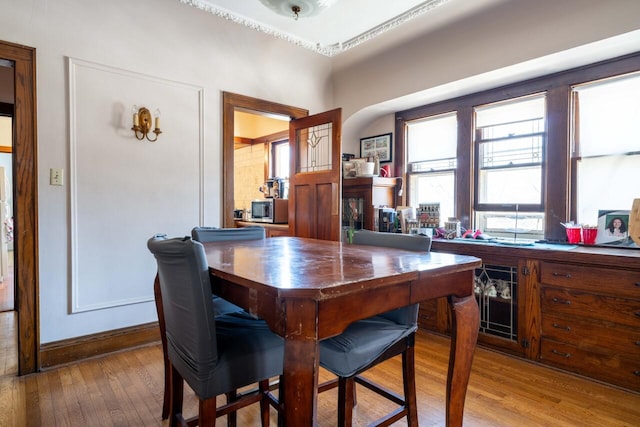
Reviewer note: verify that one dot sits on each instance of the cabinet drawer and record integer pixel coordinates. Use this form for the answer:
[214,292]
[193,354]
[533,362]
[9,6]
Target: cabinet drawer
[608,367]
[592,306]
[592,335]
[594,279]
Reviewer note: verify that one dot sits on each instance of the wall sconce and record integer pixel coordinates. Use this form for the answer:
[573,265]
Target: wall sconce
[142,123]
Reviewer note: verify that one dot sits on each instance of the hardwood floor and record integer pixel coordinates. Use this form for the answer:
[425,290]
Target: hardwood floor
[8,344]
[125,389]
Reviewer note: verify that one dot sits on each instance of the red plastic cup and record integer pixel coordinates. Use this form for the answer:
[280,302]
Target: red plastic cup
[573,234]
[589,235]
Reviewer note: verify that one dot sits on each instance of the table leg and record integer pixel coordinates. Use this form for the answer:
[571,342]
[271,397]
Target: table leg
[301,364]
[464,334]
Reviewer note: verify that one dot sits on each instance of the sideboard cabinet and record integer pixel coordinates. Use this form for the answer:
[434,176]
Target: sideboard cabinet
[574,308]
[360,197]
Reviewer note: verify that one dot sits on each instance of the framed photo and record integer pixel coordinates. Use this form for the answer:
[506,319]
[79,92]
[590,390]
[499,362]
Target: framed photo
[357,166]
[348,169]
[380,144]
[613,228]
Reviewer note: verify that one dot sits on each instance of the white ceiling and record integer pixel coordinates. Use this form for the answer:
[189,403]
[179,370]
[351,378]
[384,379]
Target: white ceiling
[341,27]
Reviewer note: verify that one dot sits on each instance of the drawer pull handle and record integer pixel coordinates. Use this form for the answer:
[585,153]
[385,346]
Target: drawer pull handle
[566,275]
[566,328]
[559,353]
[565,301]
[637,342]
[637,373]
[638,284]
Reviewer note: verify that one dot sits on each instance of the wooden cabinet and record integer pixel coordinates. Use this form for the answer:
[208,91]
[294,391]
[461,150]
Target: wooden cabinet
[360,195]
[591,321]
[506,294]
[576,309]
[271,230]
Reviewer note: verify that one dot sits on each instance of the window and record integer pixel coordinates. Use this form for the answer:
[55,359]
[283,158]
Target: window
[280,164]
[432,163]
[510,142]
[526,157]
[606,145]
[280,159]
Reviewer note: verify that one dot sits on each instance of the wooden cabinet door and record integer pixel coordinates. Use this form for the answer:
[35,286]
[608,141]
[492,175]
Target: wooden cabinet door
[314,181]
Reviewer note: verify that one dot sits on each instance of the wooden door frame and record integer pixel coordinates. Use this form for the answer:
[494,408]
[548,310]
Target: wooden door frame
[25,202]
[231,101]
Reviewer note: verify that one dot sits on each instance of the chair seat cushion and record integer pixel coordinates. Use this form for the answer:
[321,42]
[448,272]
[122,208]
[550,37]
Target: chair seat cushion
[361,344]
[222,306]
[247,352]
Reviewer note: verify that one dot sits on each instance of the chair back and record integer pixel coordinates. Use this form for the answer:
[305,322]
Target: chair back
[405,315]
[214,234]
[188,309]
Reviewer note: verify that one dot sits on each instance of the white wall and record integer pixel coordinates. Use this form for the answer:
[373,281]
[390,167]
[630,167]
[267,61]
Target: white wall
[161,39]
[510,40]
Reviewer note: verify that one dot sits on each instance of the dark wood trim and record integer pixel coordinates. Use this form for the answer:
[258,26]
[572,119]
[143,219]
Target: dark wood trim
[231,101]
[25,170]
[74,349]
[558,168]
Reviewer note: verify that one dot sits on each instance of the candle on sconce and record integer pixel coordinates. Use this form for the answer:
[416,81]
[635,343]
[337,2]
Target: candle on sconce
[136,120]
[157,116]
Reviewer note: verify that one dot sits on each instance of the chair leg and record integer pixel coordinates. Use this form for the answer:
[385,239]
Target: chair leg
[346,394]
[281,399]
[166,403]
[177,391]
[409,380]
[232,418]
[207,412]
[264,402]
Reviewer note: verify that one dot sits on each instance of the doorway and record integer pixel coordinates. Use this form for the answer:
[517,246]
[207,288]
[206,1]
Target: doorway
[25,231]
[8,325]
[232,103]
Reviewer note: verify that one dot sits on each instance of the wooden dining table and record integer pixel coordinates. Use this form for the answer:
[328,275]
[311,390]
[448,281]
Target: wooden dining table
[308,290]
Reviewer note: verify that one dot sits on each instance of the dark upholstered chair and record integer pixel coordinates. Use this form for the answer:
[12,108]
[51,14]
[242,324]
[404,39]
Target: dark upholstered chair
[213,354]
[220,305]
[214,234]
[370,341]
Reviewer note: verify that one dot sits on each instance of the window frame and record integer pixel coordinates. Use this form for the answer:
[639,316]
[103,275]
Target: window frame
[509,207]
[273,145]
[559,165]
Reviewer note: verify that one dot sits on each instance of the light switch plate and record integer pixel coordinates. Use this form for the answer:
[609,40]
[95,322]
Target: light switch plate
[56,176]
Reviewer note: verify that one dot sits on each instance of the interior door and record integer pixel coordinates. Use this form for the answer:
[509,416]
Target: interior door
[314,177]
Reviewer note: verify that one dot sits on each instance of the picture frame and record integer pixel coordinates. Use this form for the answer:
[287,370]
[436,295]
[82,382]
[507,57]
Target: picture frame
[348,169]
[613,228]
[380,144]
[357,166]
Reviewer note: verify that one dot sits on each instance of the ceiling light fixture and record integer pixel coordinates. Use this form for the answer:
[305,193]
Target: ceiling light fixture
[298,8]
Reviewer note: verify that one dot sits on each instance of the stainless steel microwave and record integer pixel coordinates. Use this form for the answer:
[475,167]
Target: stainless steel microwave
[275,211]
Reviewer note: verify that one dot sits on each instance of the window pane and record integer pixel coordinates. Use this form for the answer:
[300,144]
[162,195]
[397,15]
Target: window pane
[511,111]
[521,225]
[510,186]
[434,188]
[434,138]
[606,116]
[606,183]
[281,160]
[511,152]
[510,140]
[314,148]
[609,114]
